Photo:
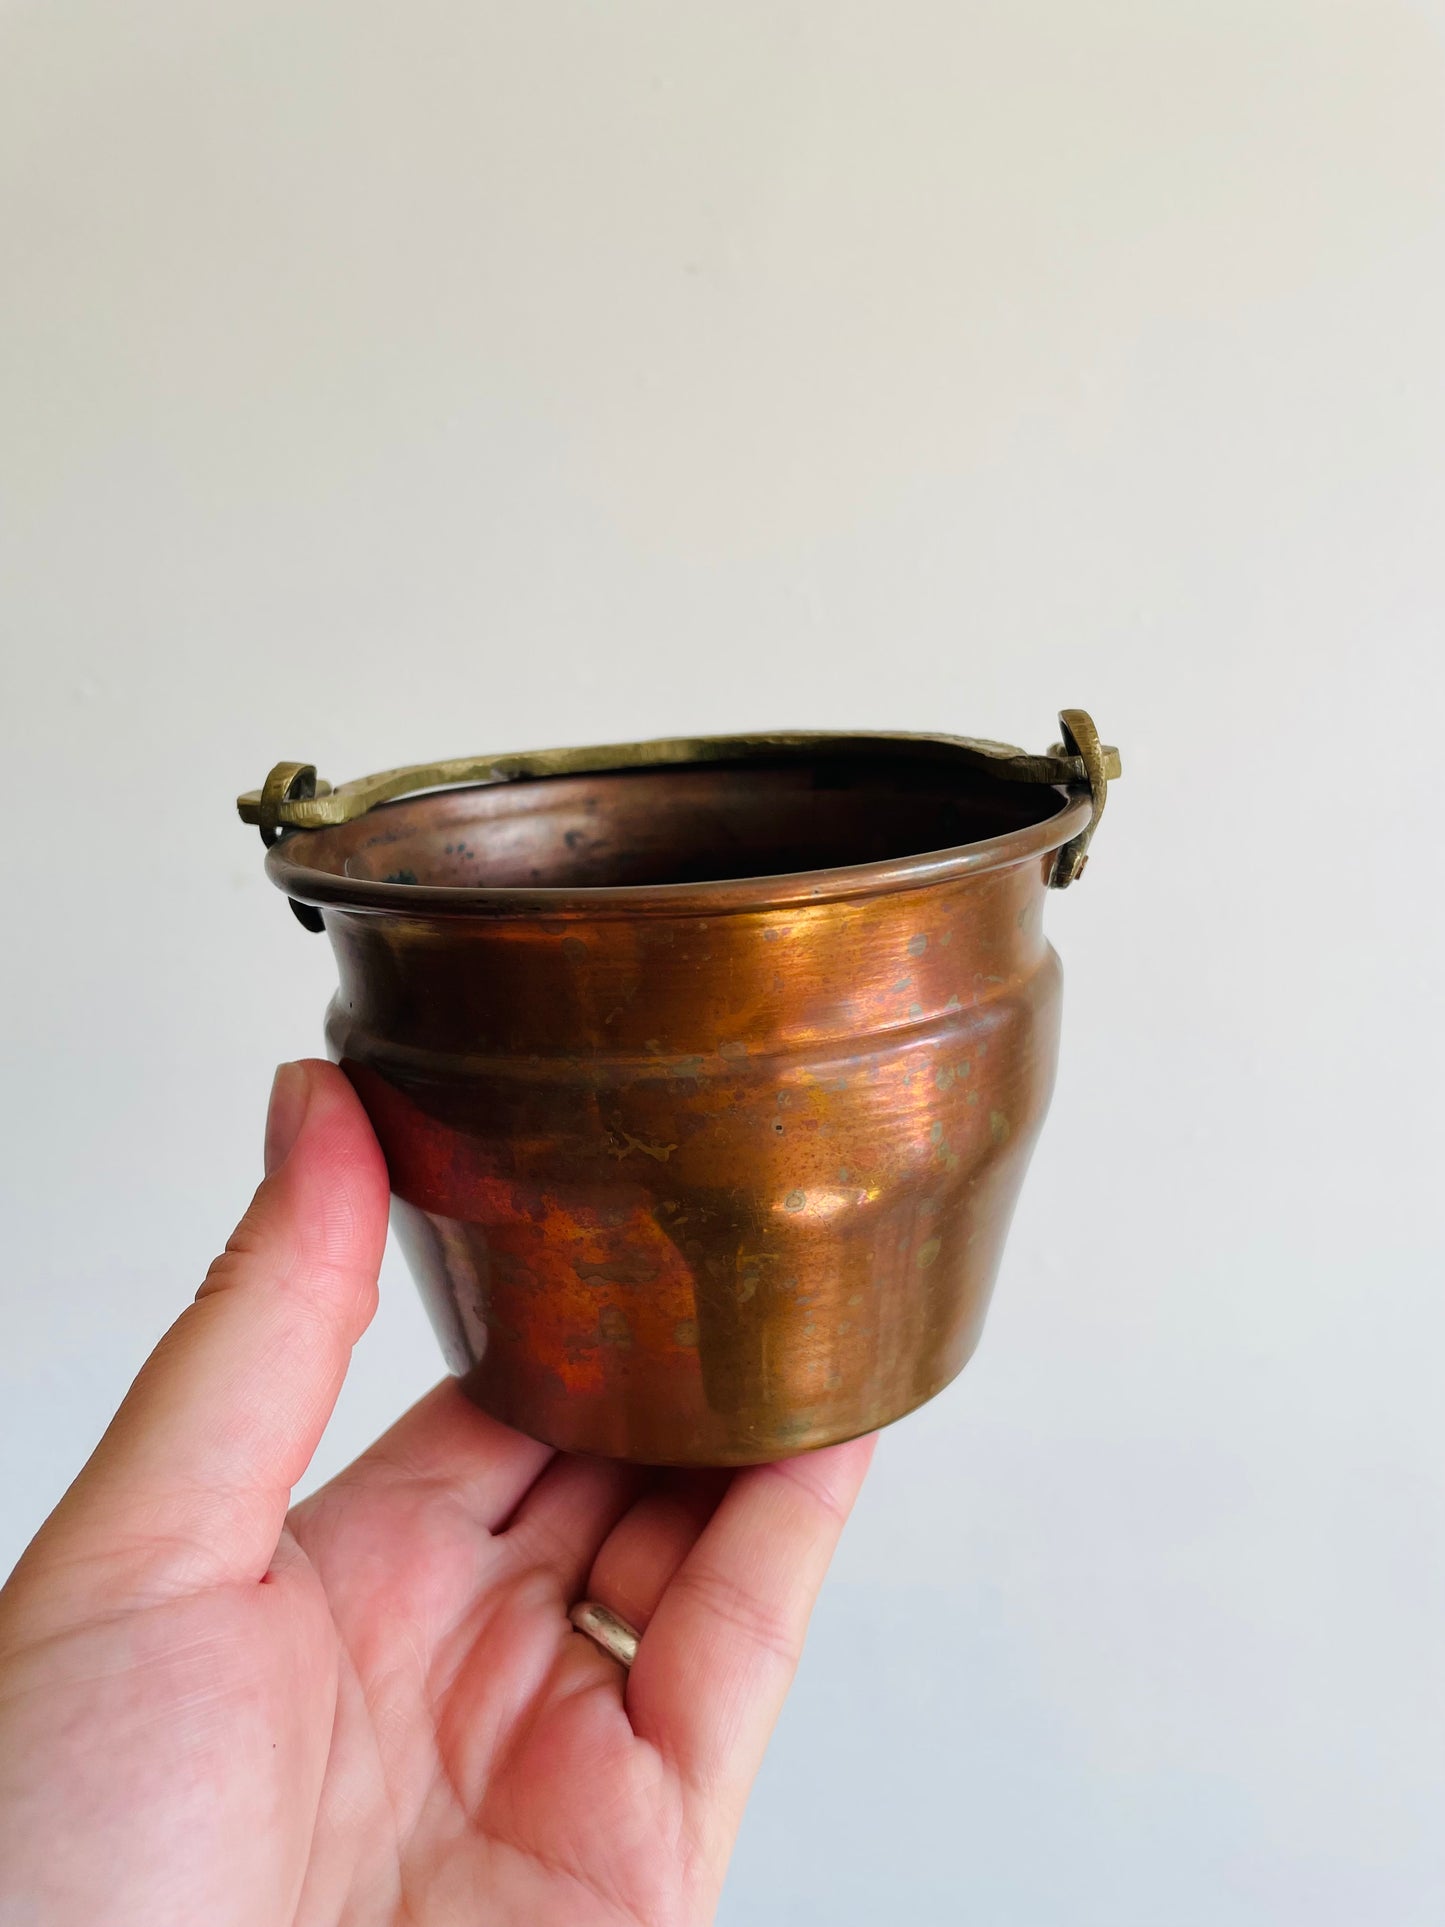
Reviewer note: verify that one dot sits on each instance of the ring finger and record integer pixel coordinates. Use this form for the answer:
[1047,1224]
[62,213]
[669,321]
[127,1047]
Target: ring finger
[643,1551]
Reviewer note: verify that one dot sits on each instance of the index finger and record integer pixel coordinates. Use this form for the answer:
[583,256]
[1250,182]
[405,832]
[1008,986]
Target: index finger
[720,1652]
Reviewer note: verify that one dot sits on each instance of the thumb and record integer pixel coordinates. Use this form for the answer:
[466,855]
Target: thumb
[190,1485]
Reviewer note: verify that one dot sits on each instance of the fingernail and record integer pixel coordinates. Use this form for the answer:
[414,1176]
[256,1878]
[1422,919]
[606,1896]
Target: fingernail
[286,1113]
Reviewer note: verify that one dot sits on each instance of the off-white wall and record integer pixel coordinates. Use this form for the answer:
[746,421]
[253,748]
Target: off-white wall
[388,381]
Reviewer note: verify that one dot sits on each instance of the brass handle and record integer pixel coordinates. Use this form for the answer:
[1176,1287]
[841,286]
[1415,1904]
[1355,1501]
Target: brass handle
[1081,740]
[294,798]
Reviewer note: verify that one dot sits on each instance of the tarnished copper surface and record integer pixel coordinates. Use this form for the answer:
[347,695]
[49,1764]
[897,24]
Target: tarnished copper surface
[706,1092]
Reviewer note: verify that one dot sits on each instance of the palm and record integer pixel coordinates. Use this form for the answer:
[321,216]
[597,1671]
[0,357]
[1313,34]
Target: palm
[479,1747]
[373,1710]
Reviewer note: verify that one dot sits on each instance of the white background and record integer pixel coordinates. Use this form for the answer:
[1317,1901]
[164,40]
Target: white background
[382,382]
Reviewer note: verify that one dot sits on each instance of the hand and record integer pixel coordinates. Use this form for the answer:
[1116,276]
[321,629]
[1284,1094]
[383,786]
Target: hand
[375,1710]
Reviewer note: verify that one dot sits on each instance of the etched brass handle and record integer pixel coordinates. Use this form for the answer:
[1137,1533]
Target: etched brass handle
[1101,762]
[293,797]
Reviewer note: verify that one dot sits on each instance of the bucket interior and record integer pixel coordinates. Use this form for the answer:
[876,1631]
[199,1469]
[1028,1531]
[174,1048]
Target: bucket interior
[696,823]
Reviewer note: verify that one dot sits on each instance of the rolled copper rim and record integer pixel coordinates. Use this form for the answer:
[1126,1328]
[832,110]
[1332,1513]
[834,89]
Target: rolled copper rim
[310,883]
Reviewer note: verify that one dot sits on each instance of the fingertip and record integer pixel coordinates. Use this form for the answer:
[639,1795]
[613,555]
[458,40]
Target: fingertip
[327,1176]
[345,1146]
[837,1470]
[285,1112]
[854,1458]
[333,1122]
[852,1452]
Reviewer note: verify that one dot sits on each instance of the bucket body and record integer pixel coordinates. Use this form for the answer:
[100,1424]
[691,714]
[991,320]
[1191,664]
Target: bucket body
[705,1095]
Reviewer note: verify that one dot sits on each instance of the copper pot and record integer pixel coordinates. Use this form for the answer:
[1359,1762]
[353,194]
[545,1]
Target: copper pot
[706,1072]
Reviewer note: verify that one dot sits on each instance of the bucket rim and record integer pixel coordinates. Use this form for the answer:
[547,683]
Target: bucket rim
[326,889]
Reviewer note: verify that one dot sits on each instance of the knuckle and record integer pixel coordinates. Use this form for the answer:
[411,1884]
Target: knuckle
[761,1625]
[816,1495]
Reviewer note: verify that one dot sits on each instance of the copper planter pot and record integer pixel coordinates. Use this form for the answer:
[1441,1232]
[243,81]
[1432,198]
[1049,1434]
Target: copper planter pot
[706,1073]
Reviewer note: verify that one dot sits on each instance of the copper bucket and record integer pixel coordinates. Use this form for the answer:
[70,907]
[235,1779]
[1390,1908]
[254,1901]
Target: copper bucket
[706,1072]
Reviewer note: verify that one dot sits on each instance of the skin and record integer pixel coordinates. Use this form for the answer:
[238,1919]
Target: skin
[371,1708]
